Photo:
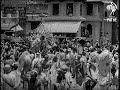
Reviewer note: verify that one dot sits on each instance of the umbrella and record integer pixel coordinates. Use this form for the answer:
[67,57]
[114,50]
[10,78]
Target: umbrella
[17,39]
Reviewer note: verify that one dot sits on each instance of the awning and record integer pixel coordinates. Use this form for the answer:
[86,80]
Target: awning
[35,15]
[92,0]
[61,27]
[17,28]
[6,26]
[106,1]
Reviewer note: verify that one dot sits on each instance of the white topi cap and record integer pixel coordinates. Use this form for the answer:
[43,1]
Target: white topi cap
[69,49]
[7,68]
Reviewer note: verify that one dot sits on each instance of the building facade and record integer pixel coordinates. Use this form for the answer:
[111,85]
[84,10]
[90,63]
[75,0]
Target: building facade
[57,16]
[95,18]
[82,18]
[12,14]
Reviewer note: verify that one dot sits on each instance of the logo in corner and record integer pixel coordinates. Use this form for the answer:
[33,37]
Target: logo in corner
[112,7]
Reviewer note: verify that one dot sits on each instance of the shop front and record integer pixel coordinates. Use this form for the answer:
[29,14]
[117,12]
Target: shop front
[63,30]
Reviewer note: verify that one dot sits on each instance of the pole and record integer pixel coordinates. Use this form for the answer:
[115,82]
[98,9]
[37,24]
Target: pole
[103,31]
[114,27]
[17,20]
[15,23]
[112,31]
[15,26]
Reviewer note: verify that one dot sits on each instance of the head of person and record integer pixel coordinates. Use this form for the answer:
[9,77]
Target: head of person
[11,52]
[91,49]
[42,38]
[46,57]
[105,48]
[37,54]
[69,50]
[33,76]
[79,56]
[7,68]
[55,59]
[97,41]
[14,66]
[116,56]
[88,44]
[51,50]
[83,54]
[32,56]
[85,49]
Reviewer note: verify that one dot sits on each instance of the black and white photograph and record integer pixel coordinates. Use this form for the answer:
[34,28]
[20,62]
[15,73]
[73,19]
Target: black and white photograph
[59,45]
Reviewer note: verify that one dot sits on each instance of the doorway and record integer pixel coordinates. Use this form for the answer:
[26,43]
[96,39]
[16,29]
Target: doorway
[34,24]
[89,31]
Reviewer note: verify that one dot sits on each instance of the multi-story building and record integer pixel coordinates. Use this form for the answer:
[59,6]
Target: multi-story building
[13,15]
[82,18]
[63,17]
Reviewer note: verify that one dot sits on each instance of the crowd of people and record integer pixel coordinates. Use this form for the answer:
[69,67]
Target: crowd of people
[53,65]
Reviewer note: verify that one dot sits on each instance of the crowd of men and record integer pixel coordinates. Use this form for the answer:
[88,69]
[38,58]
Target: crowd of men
[52,65]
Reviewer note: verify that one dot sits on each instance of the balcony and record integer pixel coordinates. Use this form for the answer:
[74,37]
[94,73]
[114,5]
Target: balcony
[56,18]
[62,0]
[9,15]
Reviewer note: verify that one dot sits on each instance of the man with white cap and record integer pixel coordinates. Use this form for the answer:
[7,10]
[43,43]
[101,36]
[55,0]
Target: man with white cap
[97,43]
[70,57]
[114,64]
[12,79]
[7,69]
[36,63]
[25,61]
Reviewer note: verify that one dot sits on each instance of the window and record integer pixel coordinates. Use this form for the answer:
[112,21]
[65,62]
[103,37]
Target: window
[115,14]
[21,12]
[89,30]
[80,9]
[90,9]
[99,8]
[4,21]
[55,9]
[69,10]
[82,31]
[9,10]
[34,24]
[105,13]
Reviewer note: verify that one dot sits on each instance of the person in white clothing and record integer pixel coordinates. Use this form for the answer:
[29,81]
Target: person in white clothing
[37,62]
[12,80]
